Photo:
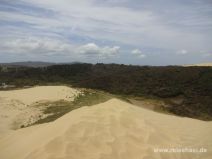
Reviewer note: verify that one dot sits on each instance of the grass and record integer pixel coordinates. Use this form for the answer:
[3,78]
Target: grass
[87,97]
[54,110]
[150,102]
[91,97]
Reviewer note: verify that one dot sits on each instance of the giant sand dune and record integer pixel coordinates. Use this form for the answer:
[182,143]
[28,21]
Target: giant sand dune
[111,130]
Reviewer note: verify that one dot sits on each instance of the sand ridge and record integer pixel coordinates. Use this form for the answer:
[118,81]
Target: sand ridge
[111,130]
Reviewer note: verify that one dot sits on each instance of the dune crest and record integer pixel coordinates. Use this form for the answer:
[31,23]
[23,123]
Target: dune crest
[111,130]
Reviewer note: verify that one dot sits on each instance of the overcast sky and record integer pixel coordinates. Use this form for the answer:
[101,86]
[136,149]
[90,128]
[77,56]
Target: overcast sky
[144,32]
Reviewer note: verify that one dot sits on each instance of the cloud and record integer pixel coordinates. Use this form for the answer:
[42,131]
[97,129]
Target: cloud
[91,49]
[138,53]
[35,45]
[71,25]
[46,46]
[108,22]
[182,52]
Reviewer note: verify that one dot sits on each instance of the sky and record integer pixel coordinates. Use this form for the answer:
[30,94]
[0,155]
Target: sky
[140,32]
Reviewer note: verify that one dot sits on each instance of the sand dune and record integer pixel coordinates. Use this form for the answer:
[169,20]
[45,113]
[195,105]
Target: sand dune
[41,93]
[111,130]
[17,107]
[201,64]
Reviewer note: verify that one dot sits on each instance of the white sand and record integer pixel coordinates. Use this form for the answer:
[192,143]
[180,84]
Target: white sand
[111,130]
[41,93]
[17,106]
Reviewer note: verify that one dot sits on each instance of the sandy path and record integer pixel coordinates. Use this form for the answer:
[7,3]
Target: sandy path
[111,130]
[17,106]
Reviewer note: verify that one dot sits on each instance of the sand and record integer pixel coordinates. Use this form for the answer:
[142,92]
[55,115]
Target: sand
[201,64]
[18,107]
[110,130]
[40,93]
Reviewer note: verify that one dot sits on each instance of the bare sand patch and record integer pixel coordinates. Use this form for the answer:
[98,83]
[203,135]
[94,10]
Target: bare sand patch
[40,93]
[110,130]
[18,107]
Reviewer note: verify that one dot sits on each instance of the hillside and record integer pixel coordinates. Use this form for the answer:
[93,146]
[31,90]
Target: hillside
[192,84]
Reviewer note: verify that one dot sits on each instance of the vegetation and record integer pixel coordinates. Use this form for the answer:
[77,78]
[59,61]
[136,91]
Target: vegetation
[193,84]
[54,110]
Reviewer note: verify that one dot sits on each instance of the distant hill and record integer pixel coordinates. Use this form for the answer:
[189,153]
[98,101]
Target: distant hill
[28,64]
[36,64]
[200,64]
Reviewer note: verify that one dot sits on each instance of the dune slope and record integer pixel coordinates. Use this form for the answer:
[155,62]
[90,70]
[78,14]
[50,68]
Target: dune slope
[111,130]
